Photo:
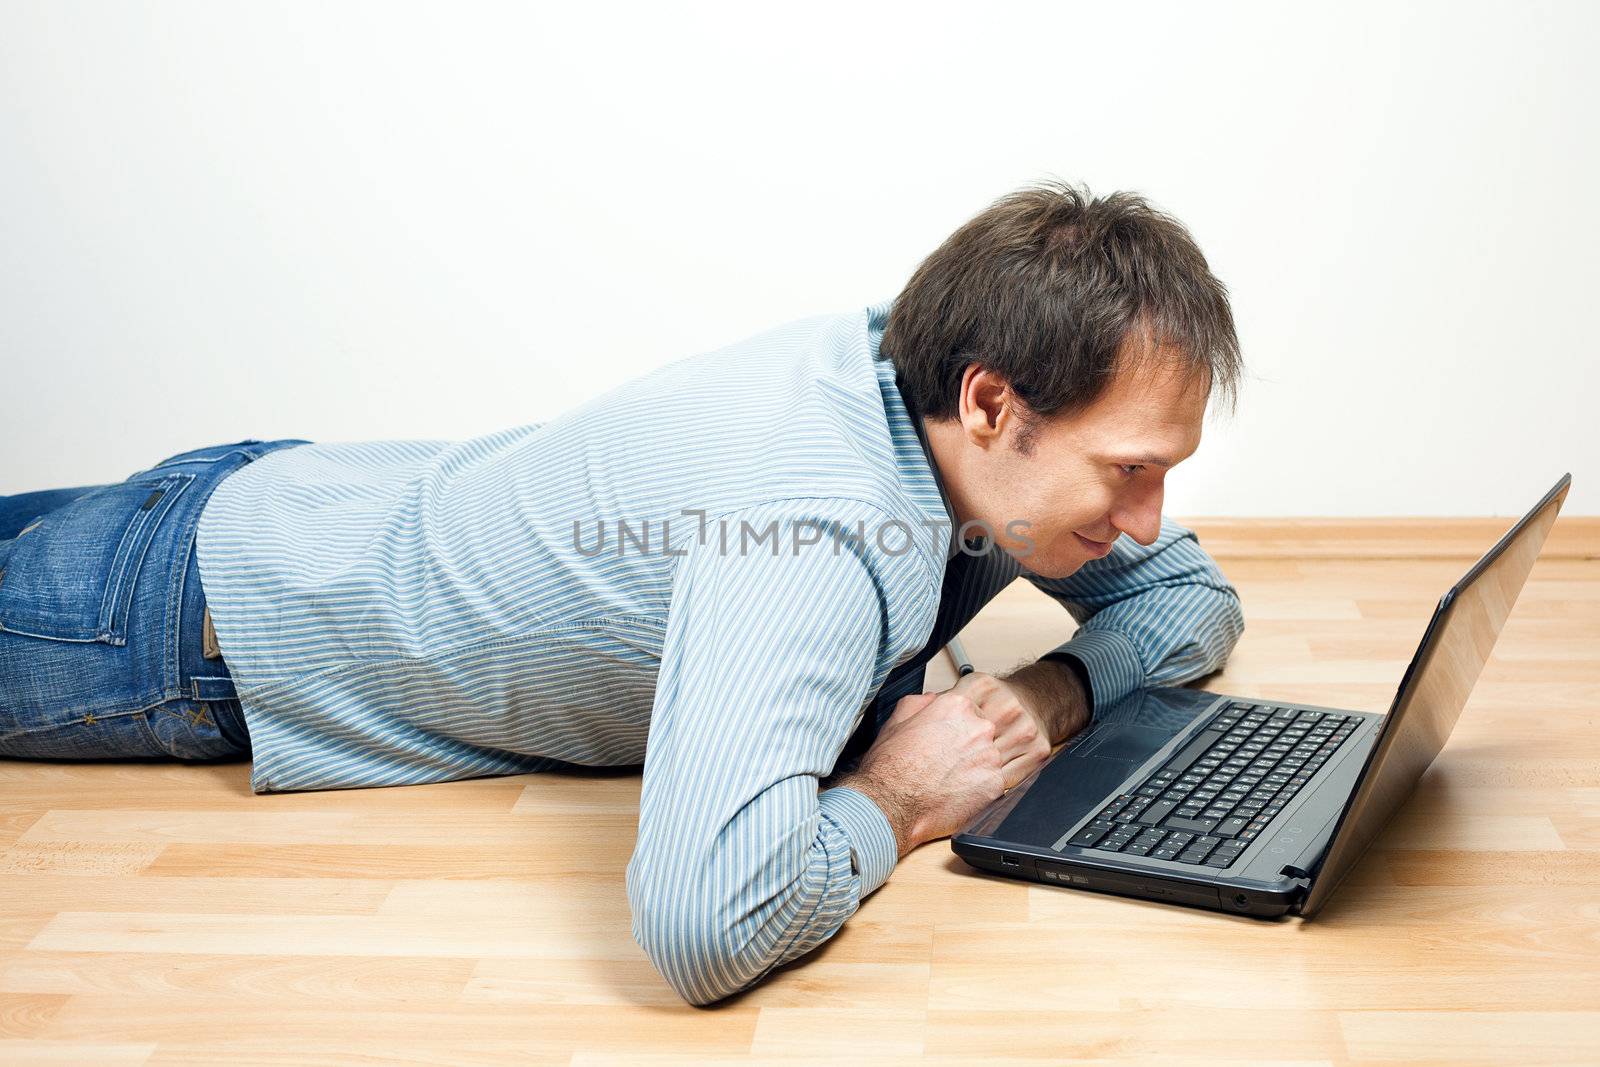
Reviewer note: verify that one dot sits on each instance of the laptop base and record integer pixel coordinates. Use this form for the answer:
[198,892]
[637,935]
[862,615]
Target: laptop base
[1025,833]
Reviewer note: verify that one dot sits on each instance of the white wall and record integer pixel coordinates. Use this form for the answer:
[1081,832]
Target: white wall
[229,220]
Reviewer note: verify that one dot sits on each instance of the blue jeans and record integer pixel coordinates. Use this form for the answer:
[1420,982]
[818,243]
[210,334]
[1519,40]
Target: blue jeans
[101,612]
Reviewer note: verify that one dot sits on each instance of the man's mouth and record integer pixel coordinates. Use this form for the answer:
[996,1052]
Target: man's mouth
[1096,548]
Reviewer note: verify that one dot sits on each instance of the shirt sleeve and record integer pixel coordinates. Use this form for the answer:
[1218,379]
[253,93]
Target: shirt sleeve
[769,656]
[1158,614]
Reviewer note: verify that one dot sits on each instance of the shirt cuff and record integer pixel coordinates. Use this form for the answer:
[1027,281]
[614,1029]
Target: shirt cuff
[872,843]
[1111,661]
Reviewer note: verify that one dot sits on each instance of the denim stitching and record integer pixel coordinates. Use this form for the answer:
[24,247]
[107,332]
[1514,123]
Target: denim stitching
[171,636]
[105,628]
[194,687]
[172,654]
[125,569]
[90,718]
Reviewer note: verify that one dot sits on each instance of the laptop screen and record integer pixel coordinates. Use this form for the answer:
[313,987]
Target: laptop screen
[1454,649]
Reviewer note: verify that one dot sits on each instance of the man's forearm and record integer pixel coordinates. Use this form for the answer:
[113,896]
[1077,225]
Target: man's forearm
[1053,691]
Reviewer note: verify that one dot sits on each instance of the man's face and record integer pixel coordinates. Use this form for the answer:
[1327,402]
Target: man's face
[1096,475]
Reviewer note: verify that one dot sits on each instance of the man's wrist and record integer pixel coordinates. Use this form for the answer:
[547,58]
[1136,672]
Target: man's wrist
[1056,695]
[902,820]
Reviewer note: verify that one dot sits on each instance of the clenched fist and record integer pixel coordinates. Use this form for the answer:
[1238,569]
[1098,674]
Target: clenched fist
[941,758]
[1021,736]
[932,768]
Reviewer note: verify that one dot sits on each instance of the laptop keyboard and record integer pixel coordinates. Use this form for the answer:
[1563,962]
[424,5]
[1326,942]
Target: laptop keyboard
[1213,796]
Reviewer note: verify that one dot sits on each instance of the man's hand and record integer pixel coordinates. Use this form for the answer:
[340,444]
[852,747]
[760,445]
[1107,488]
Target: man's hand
[1019,732]
[1034,709]
[940,758]
[933,767]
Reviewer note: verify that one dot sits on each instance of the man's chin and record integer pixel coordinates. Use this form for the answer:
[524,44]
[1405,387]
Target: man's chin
[1054,572]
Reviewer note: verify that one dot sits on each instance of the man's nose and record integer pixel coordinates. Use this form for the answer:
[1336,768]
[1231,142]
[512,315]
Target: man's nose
[1140,517]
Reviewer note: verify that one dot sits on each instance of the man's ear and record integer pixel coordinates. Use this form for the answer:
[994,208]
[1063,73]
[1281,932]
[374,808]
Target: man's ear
[986,405]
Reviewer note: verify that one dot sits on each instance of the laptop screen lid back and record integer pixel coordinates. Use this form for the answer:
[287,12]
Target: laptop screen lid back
[1453,651]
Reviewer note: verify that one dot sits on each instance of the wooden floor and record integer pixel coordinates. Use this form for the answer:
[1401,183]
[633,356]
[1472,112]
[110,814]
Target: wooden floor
[157,914]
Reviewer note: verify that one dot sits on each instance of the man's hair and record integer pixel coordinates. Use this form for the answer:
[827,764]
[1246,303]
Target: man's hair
[1057,292]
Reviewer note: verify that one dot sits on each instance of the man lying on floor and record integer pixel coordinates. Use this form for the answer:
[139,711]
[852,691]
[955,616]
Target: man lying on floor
[730,570]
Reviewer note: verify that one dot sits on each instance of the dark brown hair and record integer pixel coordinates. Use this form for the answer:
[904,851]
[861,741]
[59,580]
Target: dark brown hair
[1057,292]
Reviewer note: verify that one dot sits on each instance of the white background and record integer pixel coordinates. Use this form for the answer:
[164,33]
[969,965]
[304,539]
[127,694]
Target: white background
[340,221]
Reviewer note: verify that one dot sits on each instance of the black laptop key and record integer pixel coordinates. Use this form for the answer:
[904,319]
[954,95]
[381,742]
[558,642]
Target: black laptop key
[1164,853]
[1229,827]
[1153,815]
[1116,805]
[1225,854]
[1193,750]
[1203,826]
[1090,834]
[1146,841]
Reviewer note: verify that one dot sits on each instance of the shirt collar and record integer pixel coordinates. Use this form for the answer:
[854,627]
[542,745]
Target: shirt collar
[914,455]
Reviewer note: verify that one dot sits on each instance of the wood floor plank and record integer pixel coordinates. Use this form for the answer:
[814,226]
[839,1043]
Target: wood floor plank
[1473,1037]
[24,1053]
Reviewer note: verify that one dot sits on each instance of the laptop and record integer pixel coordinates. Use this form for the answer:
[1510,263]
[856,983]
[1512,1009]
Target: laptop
[1243,805]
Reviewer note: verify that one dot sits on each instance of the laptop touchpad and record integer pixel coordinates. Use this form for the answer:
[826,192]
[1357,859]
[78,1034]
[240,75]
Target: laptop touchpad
[1079,781]
[1132,744]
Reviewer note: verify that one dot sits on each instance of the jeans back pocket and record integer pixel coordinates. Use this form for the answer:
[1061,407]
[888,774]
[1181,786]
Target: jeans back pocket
[71,575]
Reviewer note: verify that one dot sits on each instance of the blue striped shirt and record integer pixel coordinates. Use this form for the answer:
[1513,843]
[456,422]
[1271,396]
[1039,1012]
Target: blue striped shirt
[727,570]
